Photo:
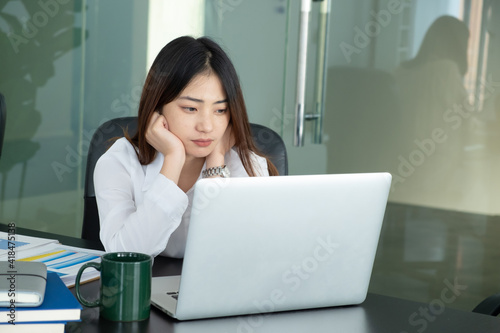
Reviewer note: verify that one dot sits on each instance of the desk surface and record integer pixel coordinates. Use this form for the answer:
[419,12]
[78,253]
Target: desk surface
[377,314]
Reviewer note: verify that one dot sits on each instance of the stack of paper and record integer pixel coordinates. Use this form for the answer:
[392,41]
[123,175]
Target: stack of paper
[61,259]
[19,243]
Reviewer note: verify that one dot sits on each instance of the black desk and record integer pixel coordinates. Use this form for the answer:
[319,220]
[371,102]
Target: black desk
[377,314]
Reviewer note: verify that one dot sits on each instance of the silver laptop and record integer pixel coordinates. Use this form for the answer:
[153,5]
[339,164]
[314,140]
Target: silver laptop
[267,244]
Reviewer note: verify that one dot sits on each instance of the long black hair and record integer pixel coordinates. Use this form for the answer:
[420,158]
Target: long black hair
[446,38]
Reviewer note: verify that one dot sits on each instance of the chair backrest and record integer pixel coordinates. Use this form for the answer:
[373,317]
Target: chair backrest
[266,140]
[3,117]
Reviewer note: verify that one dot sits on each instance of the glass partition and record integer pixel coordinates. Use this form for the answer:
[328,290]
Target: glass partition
[66,67]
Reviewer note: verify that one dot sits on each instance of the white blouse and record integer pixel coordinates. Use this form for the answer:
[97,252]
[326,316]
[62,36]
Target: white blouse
[141,210]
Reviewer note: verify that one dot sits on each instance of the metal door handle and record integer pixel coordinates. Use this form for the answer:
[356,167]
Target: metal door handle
[322,53]
[305,10]
[322,64]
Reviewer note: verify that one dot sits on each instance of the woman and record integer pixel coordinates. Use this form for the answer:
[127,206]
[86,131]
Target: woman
[432,82]
[192,123]
[433,130]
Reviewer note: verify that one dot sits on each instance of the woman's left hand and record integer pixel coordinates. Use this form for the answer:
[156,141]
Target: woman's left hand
[216,157]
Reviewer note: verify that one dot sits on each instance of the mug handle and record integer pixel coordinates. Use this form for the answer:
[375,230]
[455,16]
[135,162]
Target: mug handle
[82,300]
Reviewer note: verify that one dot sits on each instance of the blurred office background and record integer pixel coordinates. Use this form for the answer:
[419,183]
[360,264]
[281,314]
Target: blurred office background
[66,66]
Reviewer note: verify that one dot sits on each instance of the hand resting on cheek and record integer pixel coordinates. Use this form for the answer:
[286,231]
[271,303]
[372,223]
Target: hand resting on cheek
[216,157]
[164,141]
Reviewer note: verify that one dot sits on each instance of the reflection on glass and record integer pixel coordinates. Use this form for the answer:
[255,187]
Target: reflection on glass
[66,67]
[433,108]
[421,100]
[33,37]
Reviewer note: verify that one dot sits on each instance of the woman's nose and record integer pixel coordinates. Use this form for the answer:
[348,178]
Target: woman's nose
[204,123]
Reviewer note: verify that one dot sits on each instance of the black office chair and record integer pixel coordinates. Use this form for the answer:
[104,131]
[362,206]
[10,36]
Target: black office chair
[489,306]
[3,118]
[266,140]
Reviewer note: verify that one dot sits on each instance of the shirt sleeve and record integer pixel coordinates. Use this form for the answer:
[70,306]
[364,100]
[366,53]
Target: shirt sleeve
[132,217]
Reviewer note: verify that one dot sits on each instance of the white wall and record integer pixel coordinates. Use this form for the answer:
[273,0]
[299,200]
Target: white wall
[169,19]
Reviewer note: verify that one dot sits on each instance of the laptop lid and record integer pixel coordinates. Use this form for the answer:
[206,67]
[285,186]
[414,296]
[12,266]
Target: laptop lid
[266,244]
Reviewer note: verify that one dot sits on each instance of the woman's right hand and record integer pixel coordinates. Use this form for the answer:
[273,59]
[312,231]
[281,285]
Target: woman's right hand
[167,143]
[164,141]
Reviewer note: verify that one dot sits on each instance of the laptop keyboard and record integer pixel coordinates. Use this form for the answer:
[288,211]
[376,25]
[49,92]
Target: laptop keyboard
[173,294]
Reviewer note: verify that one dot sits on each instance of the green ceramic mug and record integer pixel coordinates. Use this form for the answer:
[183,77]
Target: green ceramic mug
[125,292]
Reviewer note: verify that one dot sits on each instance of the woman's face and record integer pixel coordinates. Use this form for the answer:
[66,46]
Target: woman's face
[199,116]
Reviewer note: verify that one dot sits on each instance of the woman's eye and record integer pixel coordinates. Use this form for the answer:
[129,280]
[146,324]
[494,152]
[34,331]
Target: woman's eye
[221,111]
[189,109]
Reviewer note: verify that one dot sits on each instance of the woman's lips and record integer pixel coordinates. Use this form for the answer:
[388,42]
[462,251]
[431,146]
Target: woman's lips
[203,143]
